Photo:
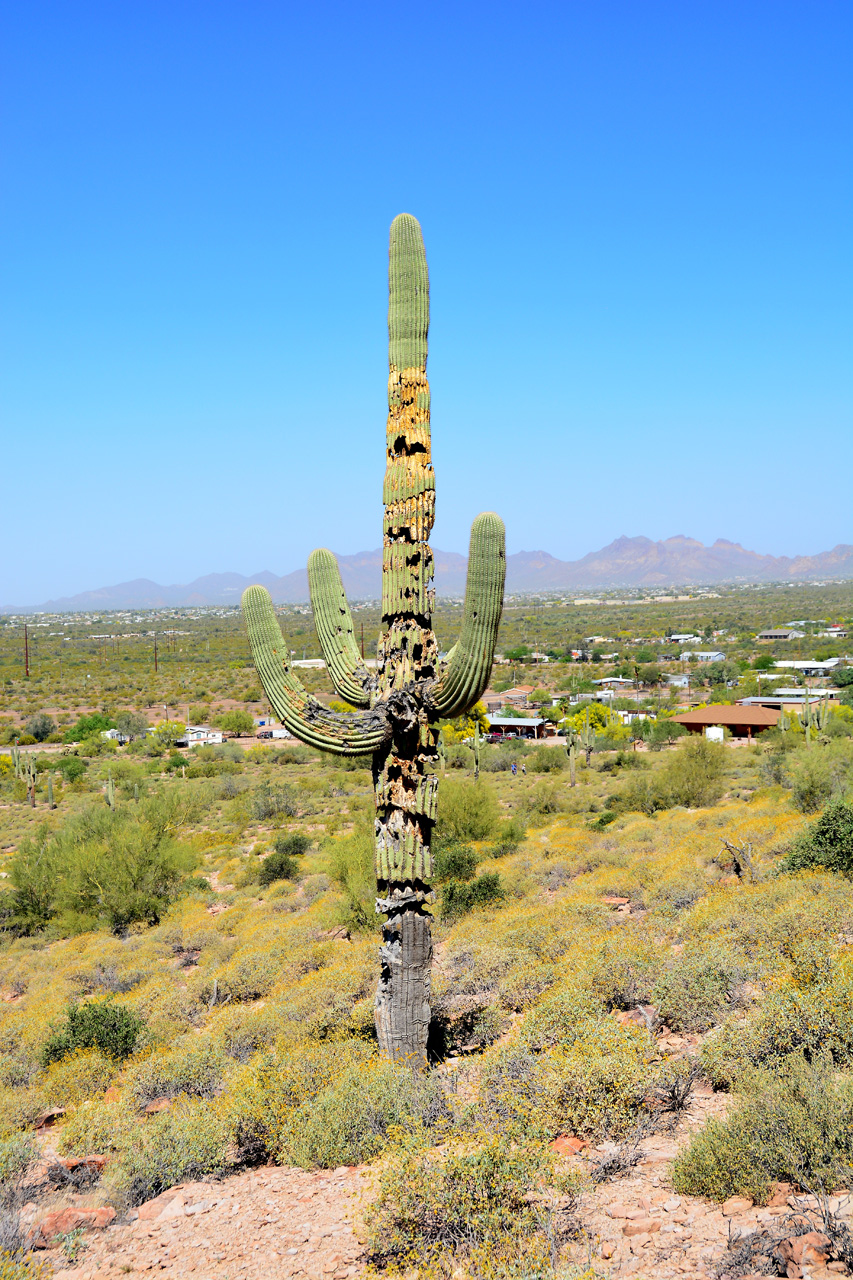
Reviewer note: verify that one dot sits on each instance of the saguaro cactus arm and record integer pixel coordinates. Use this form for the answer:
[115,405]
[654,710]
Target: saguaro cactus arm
[333,621]
[359,733]
[470,660]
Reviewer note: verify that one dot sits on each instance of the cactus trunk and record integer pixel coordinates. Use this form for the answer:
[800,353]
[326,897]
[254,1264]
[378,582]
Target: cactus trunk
[403,702]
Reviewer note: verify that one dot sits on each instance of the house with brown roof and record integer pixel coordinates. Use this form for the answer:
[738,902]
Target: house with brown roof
[518,697]
[741,721]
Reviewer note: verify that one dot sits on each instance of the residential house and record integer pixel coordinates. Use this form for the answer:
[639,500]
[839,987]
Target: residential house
[808,666]
[742,722]
[509,726]
[703,655]
[200,735]
[518,697]
[779,633]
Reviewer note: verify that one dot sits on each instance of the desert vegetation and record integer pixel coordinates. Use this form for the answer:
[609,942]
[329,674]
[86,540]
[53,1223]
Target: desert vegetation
[203,999]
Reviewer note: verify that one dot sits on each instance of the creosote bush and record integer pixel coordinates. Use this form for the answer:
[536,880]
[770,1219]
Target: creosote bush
[328,1105]
[498,1211]
[104,865]
[827,842]
[793,1124]
[460,896]
[469,810]
[97,1024]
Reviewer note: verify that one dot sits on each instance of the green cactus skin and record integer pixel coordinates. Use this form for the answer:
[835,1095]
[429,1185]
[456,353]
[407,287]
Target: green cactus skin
[333,620]
[400,703]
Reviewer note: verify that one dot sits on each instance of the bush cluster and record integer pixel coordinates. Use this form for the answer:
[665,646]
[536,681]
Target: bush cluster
[105,865]
[97,1024]
[792,1124]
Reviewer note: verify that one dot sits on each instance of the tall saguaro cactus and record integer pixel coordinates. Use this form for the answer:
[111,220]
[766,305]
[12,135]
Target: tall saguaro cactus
[401,702]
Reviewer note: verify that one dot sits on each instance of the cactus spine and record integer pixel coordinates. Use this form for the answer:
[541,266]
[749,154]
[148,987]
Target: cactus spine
[401,703]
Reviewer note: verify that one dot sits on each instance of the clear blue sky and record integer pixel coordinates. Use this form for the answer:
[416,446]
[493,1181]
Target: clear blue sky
[638,224]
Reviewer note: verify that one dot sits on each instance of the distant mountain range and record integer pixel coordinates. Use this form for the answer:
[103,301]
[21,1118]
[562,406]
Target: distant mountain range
[627,562]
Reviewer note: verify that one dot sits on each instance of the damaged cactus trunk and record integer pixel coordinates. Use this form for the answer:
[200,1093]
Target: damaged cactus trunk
[403,701]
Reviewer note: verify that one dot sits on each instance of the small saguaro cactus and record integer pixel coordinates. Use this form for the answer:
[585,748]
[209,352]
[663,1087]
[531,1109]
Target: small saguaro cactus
[401,702]
[573,741]
[586,737]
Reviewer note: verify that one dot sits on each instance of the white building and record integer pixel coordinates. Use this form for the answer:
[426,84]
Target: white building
[201,735]
[809,667]
[703,655]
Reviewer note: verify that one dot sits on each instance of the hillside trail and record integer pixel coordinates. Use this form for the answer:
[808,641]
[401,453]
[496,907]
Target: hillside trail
[256,1225]
[273,1223]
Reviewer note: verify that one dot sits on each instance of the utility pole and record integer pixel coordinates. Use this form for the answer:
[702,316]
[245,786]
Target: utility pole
[362,641]
[26,651]
[155,653]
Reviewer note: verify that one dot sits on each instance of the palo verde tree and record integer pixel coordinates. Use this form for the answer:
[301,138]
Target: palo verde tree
[400,704]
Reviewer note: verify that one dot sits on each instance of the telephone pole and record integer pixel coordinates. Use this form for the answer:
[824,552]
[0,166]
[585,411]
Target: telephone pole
[26,651]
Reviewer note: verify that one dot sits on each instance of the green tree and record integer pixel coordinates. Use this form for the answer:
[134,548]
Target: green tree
[88,727]
[237,722]
[40,726]
[132,724]
[167,732]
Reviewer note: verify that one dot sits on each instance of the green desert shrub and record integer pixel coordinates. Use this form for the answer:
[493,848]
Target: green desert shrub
[293,845]
[792,1124]
[104,1025]
[508,839]
[115,866]
[458,897]
[453,861]
[548,760]
[277,865]
[827,842]
[184,1144]
[693,991]
[270,801]
[194,1066]
[468,810]
[812,1019]
[820,774]
[481,1211]
[71,767]
[351,865]
[693,775]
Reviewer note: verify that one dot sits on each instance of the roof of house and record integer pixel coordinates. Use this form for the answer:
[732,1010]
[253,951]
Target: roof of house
[515,720]
[723,714]
[769,699]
